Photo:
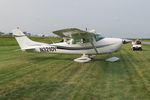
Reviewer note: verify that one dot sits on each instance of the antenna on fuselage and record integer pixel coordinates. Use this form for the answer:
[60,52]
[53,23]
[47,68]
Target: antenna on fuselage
[86,29]
[18,27]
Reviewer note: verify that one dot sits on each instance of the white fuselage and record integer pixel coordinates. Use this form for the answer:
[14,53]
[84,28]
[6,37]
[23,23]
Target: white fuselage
[80,42]
[105,45]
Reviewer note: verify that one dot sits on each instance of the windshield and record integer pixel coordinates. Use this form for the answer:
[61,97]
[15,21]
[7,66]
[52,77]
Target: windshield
[98,37]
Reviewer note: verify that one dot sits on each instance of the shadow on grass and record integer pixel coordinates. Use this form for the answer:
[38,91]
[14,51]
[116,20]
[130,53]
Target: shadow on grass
[52,58]
[98,59]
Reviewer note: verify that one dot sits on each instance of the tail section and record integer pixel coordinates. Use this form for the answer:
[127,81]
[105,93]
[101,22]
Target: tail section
[23,41]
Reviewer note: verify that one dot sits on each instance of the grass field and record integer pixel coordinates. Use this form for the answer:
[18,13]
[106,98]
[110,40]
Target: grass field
[42,76]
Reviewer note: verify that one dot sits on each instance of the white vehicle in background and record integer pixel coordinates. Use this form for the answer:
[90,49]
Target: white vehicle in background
[136,45]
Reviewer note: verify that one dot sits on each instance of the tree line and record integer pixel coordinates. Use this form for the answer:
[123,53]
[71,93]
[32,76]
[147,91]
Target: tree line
[2,34]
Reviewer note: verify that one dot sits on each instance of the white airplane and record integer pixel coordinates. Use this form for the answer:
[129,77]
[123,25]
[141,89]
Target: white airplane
[76,41]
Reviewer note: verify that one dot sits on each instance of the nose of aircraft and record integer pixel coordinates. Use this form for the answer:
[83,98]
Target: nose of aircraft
[119,42]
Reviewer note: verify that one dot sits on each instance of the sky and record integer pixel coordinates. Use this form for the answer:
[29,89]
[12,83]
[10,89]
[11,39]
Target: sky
[111,18]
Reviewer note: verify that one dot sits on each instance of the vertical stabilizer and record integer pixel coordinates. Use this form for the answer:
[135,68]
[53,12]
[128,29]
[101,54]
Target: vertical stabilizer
[23,41]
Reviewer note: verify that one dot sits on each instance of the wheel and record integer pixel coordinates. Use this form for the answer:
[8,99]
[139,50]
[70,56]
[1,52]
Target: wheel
[140,49]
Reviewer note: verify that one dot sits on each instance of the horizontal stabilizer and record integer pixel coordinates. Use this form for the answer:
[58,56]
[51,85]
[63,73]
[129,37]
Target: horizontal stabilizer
[23,41]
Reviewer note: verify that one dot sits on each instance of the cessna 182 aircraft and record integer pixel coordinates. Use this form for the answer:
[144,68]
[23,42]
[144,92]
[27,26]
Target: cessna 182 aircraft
[76,41]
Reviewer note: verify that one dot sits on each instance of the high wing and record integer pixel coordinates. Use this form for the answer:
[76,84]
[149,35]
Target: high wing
[75,33]
[69,32]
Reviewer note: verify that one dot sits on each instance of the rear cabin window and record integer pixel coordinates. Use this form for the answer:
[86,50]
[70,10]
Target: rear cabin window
[78,39]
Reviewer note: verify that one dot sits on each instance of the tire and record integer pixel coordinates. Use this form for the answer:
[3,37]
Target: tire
[140,49]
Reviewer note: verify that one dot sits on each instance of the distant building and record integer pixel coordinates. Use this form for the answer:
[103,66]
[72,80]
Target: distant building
[1,33]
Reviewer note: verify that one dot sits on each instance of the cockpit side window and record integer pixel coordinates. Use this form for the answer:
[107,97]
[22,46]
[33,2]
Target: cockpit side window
[79,40]
[85,39]
[98,37]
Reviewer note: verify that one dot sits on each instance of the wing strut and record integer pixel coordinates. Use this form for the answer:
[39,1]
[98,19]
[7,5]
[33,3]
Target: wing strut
[91,41]
[94,47]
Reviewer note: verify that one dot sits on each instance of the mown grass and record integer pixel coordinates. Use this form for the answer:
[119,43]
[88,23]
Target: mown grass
[147,40]
[42,76]
[10,41]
